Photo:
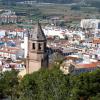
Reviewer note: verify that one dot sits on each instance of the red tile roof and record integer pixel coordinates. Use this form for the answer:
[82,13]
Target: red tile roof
[95,41]
[90,65]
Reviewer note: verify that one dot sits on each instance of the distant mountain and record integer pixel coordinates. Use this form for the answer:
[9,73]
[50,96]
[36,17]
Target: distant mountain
[95,3]
[45,1]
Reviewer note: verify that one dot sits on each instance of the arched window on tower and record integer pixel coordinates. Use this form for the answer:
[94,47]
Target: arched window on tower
[45,47]
[33,45]
[39,46]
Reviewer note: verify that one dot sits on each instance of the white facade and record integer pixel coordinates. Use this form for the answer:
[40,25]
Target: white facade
[90,23]
[54,32]
[24,45]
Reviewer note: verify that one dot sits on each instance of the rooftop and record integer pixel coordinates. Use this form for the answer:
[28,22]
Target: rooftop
[37,33]
[90,65]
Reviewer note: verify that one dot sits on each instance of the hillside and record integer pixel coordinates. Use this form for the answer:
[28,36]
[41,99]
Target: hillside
[45,1]
[95,3]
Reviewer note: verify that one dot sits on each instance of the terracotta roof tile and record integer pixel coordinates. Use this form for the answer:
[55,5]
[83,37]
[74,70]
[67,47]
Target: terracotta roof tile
[90,65]
[95,41]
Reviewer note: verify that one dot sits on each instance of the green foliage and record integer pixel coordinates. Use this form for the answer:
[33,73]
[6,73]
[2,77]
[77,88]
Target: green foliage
[87,85]
[97,97]
[50,85]
[47,85]
[8,84]
[2,86]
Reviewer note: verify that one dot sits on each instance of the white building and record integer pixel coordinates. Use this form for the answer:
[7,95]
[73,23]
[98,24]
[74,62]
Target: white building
[90,23]
[54,32]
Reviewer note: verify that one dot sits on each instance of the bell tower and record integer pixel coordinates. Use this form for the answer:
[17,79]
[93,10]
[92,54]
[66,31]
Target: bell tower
[37,55]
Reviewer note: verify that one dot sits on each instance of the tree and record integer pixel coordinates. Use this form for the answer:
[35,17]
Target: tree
[51,84]
[9,84]
[56,59]
[45,85]
[28,88]
[87,85]
[97,97]
[2,87]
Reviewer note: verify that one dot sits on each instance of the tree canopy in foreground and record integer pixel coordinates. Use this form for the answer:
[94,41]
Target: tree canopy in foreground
[50,85]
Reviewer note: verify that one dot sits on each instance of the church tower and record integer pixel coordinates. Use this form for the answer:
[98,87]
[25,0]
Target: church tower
[37,55]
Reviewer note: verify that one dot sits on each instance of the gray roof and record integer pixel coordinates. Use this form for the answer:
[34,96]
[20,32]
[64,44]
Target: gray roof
[38,34]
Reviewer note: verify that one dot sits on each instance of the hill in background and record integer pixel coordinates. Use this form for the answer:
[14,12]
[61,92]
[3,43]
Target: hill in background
[95,3]
[45,1]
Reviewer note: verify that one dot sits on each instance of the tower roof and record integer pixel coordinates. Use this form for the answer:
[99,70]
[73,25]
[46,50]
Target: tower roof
[38,34]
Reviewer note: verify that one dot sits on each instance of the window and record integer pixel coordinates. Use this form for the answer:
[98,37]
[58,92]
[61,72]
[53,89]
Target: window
[33,46]
[39,46]
[45,47]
